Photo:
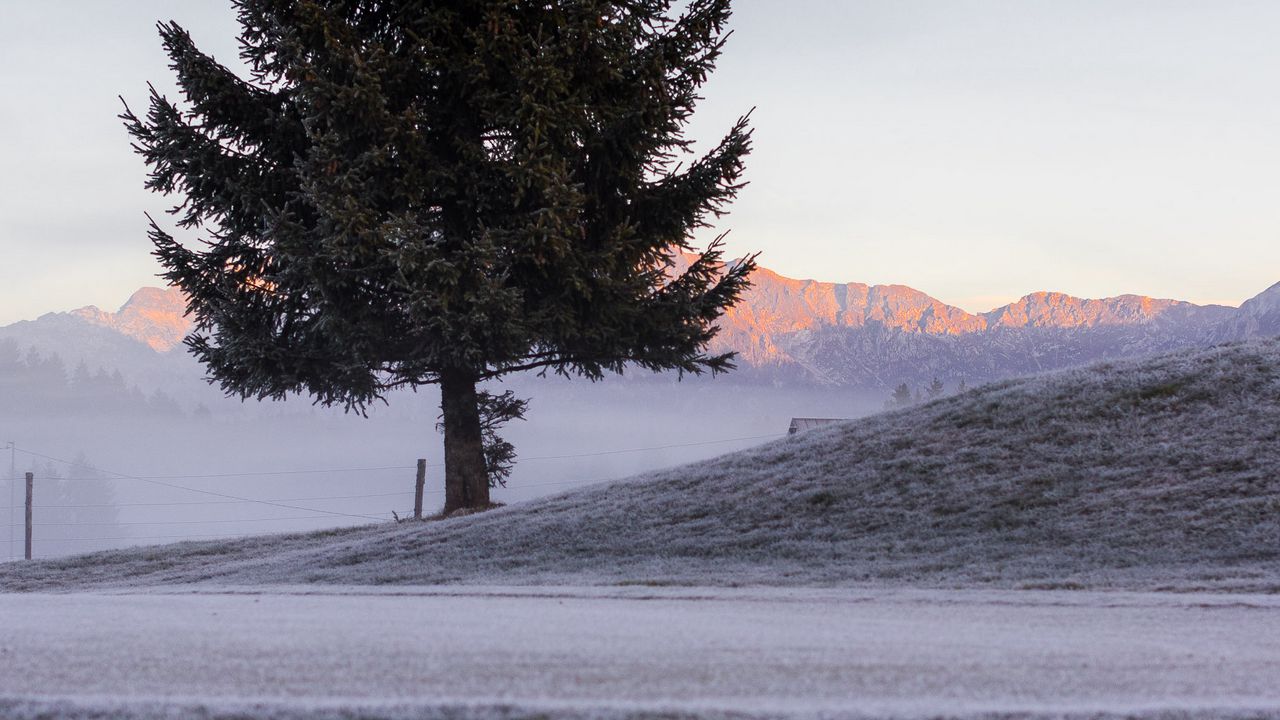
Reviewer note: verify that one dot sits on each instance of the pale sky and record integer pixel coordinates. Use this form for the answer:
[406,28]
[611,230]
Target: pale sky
[975,150]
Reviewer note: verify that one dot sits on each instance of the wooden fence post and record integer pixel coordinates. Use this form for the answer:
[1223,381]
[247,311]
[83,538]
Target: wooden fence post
[30,487]
[417,488]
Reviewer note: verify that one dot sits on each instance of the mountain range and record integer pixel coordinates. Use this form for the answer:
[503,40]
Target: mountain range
[877,336]
[853,335]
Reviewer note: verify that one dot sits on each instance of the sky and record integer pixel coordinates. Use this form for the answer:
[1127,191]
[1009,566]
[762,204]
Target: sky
[977,150]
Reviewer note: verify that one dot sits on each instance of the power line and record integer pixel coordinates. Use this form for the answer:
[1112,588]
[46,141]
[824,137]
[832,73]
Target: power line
[218,502]
[276,472]
[655,447]
[231,475]
[567,482]
[183,522]
[383,468]
[204,492]
[142,537]
[281,503]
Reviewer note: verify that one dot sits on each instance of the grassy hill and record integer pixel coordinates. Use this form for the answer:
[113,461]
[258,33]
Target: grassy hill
[1161,473]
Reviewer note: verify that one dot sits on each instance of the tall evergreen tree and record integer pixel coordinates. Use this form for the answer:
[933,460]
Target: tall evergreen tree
[409,192]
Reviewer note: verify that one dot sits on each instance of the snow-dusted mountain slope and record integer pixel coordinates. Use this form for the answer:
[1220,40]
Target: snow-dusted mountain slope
[1163,473]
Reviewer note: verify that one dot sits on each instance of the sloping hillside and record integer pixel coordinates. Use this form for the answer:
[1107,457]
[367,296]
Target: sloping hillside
[1156,474]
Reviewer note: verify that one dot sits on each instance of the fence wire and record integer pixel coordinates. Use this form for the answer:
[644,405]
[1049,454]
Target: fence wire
[229,499]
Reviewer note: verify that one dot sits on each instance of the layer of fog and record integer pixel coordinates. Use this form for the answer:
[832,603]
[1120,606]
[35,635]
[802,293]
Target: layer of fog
[110,477]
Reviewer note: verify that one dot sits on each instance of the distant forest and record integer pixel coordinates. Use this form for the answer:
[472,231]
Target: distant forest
[34,384]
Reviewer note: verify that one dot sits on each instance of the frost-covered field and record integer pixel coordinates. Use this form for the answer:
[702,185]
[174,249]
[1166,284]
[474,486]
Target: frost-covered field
[1161,473]
[1018,503]
[488,653]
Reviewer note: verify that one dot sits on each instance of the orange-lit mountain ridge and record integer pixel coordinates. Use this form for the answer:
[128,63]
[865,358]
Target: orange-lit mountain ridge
[845,334]
[781,319]
[154,316]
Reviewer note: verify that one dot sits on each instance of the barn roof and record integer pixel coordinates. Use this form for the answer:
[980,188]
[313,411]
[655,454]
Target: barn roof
[800,424]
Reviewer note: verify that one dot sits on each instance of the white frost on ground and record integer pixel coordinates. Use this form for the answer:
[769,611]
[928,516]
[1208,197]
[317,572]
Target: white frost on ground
[1159,473]
[631,652]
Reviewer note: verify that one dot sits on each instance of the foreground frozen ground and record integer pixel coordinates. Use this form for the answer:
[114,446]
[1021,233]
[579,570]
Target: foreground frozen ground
[638,652]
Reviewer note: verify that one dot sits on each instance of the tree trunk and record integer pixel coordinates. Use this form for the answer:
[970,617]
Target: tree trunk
[466,484]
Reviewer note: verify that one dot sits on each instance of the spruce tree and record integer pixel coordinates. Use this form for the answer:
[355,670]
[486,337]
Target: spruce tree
[901,396]
[407,192]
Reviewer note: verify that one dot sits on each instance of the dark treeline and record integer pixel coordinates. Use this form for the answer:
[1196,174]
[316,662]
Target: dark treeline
[34,384]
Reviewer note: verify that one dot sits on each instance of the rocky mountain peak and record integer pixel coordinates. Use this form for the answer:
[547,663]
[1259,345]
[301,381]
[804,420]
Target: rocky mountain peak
[152,315]
[1059,310]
